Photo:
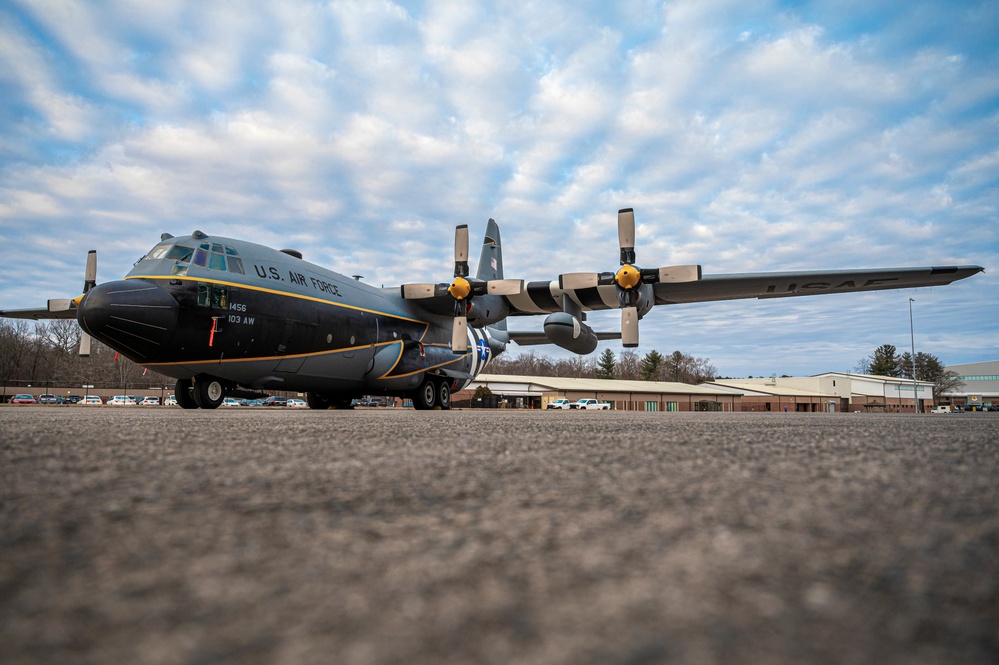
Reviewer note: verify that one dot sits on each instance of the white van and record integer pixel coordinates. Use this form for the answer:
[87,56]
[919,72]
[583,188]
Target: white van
[941,409]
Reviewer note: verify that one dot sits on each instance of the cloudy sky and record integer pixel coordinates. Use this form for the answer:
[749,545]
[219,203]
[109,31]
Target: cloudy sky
[748,136]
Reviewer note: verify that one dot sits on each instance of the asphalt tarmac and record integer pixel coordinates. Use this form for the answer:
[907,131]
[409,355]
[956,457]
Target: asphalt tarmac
[156,535]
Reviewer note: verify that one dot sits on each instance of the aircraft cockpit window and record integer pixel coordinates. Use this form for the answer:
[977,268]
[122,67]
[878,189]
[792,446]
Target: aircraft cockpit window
[203,294]
[213,295]
[179,253]
[216,256]
[158,252]
[220,296]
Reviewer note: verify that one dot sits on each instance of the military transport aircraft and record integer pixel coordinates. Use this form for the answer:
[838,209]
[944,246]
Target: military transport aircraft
[226,316]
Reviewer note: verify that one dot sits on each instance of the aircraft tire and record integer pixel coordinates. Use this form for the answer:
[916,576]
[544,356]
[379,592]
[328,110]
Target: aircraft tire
[182,393]
[444,394]
[317,401]
[425,397]
[208,392]
[343,403]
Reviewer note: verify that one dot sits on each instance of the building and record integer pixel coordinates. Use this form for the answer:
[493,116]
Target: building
[536,392]
[768,395]
[980,386]
[834,391]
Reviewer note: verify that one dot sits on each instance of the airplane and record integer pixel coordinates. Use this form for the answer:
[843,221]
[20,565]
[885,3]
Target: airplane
[226,317]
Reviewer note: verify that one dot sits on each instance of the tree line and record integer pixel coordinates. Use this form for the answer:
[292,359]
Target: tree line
[627,365]
[47,353]
[887,361]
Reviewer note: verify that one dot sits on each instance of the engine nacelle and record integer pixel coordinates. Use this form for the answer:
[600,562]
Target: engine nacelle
[567,331]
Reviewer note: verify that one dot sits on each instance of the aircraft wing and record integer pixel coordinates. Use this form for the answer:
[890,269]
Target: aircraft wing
[546,297]
[38,314]
[787,284]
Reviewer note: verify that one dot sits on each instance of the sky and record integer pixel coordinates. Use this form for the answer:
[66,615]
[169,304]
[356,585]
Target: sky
[748,136]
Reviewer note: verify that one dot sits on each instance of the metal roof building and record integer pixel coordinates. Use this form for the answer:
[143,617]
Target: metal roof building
[538,391]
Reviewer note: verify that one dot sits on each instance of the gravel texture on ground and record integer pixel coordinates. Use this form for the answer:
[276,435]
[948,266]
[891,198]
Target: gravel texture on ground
[156,535]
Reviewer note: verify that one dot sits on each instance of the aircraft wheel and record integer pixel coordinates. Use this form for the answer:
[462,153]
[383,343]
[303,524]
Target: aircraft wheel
[343,402]
[208,392]
[182,393]
[317,401]
[425,396]
[444,394]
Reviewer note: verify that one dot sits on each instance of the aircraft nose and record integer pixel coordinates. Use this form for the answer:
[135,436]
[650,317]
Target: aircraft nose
[135,317]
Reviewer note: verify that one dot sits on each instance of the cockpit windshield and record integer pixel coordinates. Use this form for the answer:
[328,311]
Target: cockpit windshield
[214,256]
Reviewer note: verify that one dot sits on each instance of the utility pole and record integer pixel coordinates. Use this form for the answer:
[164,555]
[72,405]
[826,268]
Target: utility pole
[912,341]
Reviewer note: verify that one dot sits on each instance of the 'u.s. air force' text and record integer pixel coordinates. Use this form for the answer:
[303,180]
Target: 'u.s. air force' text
[270,272]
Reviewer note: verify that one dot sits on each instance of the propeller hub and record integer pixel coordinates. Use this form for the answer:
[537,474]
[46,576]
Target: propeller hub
[628,277]
[460,288]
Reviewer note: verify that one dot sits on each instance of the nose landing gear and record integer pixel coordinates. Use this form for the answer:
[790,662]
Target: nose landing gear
[202,392]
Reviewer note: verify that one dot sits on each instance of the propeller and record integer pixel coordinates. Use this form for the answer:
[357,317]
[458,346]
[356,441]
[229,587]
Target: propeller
[629,279]
[65,304]
[89,282]
[462,290]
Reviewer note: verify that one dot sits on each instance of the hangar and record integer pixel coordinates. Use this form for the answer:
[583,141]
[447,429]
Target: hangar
[835,391]
[535,392]
[822,393]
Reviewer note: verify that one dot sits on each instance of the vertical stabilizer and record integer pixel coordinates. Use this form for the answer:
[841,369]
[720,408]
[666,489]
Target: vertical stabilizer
[491,259]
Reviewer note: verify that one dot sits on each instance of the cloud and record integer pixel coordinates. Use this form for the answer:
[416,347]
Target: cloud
[748,137]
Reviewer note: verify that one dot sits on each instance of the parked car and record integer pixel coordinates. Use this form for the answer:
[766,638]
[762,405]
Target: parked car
[73,399]
[49,398]
[941,409]
[255,402]
[274,400]
[122,400]
[590,404]
[560,403]
[231,401]
[150,401]
[298,403]
[91,400]
[171,400]
[23,399]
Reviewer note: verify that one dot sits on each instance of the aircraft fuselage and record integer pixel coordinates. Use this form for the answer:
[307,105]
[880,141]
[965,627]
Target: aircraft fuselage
[266,319]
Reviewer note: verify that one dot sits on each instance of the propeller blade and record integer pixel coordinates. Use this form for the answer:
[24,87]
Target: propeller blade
[572,281]
[626,234]
[629,327]
[459,335]
[677,274]
[60,304]
[418,291]
[90,274]
[505,287]
[461,251]
[84,344]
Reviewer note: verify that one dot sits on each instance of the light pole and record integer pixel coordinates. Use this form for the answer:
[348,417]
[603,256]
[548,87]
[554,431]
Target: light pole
[912,341]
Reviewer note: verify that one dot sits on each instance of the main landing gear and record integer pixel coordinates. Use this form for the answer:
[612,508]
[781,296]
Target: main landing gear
[324,401]
[202,392]
[434,392]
